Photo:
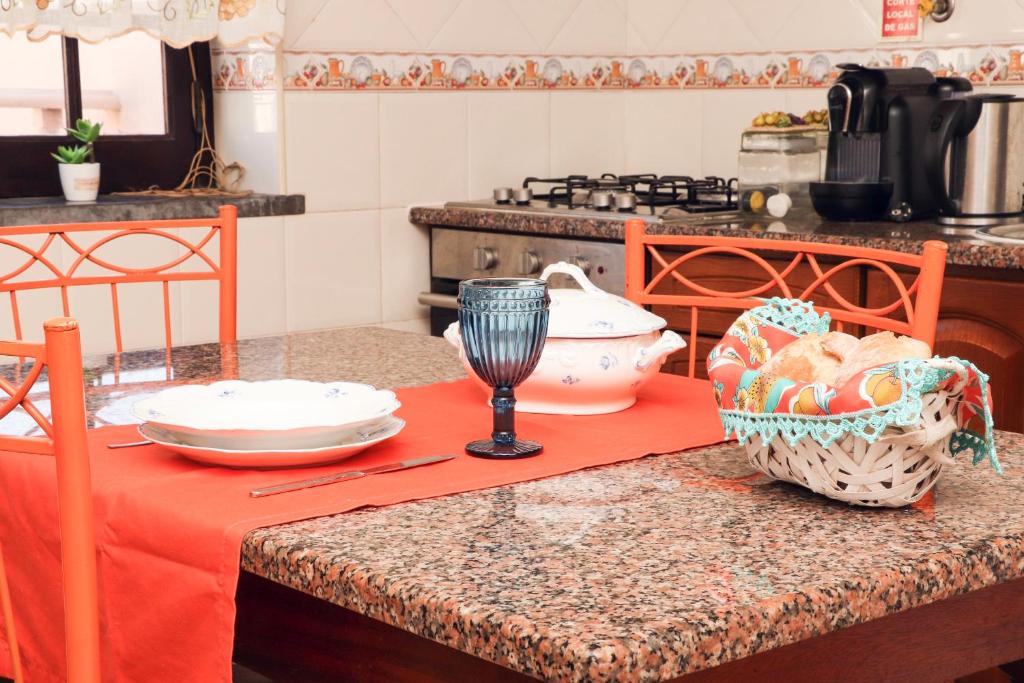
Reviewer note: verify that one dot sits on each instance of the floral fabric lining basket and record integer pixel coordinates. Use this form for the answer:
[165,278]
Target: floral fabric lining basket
[882,439]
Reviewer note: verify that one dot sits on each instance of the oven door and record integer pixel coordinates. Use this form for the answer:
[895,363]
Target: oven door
[441,300]
[457,255]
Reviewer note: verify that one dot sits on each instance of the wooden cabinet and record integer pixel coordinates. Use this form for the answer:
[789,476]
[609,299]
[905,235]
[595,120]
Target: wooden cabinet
[979,320]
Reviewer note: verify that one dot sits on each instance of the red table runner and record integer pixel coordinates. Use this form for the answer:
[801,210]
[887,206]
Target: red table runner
[169,531]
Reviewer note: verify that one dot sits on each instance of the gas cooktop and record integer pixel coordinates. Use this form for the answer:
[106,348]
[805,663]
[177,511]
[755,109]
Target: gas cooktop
[641,195]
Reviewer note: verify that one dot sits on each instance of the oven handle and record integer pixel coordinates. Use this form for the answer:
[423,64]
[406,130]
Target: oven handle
[438,300]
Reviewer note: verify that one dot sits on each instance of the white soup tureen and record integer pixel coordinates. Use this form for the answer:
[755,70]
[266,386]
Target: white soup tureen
[600,350]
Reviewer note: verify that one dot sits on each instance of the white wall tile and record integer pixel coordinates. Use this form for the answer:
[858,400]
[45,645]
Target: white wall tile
[586,132]
[544,19]
[817,25]
[662,132]
[423,141]
[508,139]
[648,21]
[298,17]
[355,25]
[261,286]
[424,18]
[766,22]
[483,26]
[332,266]
[707,26]
[333,149]
[246,130]
[800,101]
[726,113]
[595,27]
[405,266]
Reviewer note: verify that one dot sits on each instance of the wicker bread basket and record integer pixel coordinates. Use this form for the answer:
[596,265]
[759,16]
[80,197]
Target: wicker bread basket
[881,439]
[896,470]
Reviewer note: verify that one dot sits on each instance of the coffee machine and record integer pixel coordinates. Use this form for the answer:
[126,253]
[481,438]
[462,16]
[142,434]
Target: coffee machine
[879,121]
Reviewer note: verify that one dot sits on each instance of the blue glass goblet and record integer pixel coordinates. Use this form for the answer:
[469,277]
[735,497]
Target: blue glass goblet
[503,323]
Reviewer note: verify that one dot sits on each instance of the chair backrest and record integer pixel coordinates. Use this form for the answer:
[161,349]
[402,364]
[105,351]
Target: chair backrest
[69,239]
[65,438]
[916,306]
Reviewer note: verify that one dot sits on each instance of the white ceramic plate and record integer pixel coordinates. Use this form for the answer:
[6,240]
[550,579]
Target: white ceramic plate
[265,459]
[272,415]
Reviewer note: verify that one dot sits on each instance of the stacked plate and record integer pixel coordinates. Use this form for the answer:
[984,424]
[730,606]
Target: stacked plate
[276,423]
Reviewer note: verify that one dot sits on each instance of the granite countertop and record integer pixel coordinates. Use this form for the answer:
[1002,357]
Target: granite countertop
[965,248]
[711,562]
[55,210]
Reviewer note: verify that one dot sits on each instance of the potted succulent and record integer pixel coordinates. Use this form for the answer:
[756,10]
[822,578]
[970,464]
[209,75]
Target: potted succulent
[79,171]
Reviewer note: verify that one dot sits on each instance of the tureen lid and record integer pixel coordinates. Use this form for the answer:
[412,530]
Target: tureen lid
[591,312]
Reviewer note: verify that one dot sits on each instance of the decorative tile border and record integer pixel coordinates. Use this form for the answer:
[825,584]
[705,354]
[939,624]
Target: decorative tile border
[245,69]
[351,71]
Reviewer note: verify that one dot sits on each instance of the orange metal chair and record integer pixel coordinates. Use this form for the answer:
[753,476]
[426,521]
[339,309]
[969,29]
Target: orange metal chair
[224,271]
[64,437]
[919,302]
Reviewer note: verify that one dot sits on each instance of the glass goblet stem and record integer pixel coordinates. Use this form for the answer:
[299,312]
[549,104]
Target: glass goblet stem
[504,405]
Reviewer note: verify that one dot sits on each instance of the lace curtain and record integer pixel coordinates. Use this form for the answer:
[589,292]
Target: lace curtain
[176,22]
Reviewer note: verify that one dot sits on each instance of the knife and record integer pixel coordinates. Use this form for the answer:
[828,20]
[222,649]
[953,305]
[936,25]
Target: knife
[343,476]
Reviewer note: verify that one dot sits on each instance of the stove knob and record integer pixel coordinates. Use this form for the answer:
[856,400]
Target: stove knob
[529,263]
[485,258]
[582,262]
[522,195]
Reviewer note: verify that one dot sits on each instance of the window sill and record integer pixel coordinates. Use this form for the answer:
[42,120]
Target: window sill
[54,210]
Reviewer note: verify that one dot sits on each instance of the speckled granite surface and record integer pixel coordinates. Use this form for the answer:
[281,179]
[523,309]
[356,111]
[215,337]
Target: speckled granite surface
[965,249]
[53,210]
[638,571]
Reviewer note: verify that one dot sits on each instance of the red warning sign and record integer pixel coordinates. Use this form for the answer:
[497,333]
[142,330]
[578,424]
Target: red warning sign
[900,20]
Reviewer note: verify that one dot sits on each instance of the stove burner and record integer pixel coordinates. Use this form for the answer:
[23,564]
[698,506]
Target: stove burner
[627,193]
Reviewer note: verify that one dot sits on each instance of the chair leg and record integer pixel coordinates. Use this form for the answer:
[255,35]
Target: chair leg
[8,610]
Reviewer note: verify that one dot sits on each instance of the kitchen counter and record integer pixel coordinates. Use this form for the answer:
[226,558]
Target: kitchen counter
[640,571]
[142,207]
[964,248]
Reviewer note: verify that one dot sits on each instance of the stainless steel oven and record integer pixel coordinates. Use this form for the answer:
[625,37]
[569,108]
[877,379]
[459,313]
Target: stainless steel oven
[457,255]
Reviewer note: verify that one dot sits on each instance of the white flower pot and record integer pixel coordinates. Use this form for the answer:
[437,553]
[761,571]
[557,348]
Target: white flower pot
[80,182]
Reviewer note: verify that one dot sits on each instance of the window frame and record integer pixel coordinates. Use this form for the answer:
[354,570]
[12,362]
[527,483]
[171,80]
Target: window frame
[129,162]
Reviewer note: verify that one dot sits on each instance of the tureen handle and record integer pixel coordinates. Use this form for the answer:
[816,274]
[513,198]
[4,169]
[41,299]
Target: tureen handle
[452,336]
[666,344]
[576,273]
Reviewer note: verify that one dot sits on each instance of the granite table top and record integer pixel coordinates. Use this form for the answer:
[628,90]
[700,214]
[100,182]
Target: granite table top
[640,571]
[965,247]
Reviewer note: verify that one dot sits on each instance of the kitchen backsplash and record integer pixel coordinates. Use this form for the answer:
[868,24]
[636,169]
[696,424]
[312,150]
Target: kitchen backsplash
[625,44]
[369,106]
[365,71]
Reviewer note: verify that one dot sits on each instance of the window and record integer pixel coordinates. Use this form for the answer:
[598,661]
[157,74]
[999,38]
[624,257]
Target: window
[138,87]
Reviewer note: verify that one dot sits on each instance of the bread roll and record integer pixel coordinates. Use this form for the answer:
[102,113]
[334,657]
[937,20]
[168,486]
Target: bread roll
[805,360]
[840,344]
[879,349]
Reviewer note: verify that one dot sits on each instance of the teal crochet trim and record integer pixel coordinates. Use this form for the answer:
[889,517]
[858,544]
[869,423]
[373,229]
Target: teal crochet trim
[792,315]
[916,377]
[981,446]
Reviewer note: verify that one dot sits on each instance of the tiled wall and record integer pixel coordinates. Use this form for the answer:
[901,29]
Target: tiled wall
[367,108]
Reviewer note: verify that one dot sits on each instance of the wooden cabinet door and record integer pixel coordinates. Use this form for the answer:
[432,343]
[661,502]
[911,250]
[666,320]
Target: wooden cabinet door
[979,321]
